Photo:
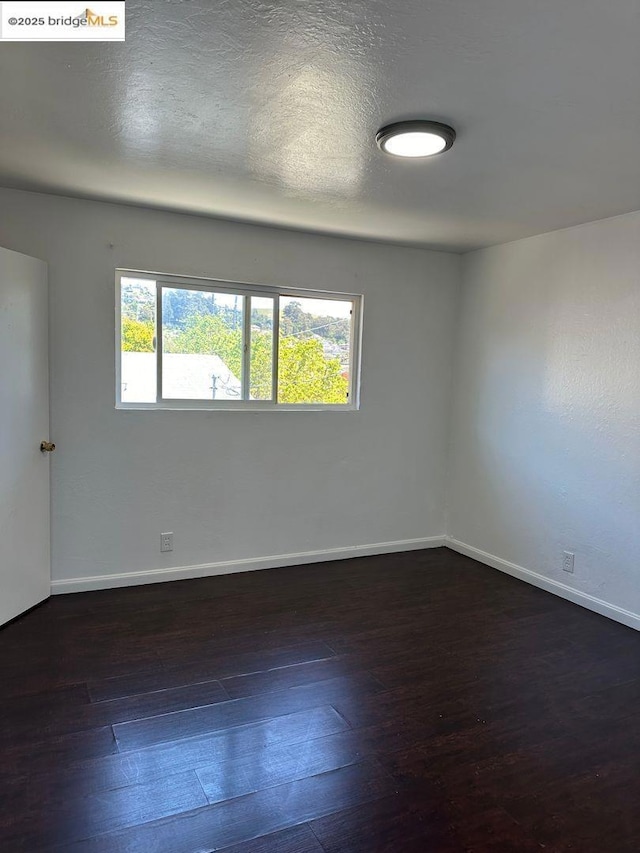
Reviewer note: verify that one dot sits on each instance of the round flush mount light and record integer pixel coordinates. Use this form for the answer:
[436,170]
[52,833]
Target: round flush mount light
[415,138]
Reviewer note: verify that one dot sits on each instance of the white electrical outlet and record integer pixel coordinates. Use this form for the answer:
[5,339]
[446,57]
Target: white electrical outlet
[567,561]
[166,541]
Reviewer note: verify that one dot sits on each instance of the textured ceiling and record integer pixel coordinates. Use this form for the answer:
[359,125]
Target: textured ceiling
[267,111]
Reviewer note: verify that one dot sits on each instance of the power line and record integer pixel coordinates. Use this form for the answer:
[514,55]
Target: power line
[315,328]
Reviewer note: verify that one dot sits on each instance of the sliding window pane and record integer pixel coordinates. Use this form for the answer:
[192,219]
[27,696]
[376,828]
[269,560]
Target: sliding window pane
[261,362]
[138,343]
[314,350]
[201,344]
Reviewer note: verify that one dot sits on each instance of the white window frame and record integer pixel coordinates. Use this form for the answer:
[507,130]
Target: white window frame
[246,291]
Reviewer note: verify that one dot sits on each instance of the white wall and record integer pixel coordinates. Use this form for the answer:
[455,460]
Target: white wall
[545,452]
[235,485]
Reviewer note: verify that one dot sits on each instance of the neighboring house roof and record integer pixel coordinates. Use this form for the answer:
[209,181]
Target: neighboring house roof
[185,377]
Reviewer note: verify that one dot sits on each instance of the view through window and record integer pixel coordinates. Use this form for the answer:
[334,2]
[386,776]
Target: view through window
[186,344]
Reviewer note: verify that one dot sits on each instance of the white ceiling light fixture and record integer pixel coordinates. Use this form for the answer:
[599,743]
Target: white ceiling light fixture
[415,138]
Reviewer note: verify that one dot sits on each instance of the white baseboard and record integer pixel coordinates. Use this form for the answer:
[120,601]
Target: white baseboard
[619,614]
[247,565]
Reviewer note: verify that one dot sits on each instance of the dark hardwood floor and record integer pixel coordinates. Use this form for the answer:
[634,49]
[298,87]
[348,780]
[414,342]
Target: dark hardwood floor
[396,704]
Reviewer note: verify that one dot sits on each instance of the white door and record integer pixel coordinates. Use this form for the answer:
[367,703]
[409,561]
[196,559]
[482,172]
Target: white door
[25,577]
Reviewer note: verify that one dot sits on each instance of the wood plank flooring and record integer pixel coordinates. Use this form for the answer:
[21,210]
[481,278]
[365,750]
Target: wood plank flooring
[395,704]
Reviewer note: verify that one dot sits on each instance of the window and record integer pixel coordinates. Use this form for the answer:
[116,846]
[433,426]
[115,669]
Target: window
[198,344]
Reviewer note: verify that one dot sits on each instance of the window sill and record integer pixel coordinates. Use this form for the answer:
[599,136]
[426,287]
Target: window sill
[181,406]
